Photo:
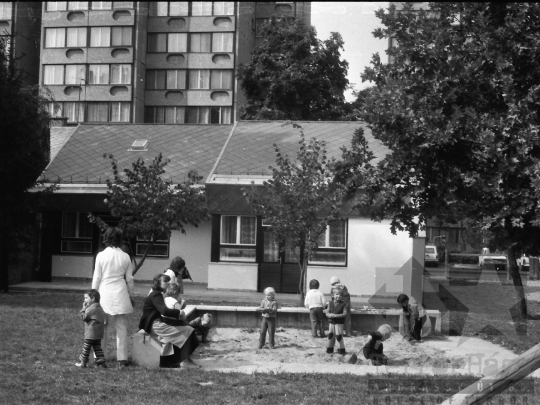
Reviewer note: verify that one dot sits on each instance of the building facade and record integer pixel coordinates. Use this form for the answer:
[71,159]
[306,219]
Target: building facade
[151,62]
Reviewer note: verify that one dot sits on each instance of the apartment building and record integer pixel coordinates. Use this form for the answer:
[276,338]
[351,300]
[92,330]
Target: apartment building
[151,62]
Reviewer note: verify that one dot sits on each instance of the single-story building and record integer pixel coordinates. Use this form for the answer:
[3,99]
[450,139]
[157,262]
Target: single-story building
[234,249]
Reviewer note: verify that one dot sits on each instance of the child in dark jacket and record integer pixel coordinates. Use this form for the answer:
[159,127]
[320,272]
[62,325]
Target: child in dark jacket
[337,312]
[94,318]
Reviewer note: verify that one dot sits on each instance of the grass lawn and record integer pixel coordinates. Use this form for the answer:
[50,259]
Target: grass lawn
[41,337]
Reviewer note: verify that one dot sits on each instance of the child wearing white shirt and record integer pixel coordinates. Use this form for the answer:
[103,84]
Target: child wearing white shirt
[315,303]
[173,301]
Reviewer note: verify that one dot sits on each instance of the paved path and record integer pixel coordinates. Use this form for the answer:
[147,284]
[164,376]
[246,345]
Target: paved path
[192,292]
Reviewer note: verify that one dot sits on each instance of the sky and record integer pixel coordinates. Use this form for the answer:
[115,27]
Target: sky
[355,21]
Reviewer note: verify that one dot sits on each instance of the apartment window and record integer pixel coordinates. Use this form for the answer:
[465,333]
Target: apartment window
[198,115]
[159,9]
[76,37]
[55,109]
[76,233]
[98,112]
[120,74]
[176,79]
[98,74]
[220,115]
[200,43]
[199,79]
[238,238]
[53,74]
[75,74]
[56,5]
[120,111]
[119,5]
[77,5]
[101,5]
[165,115]
[100,36]
[221,79]
[74,111]
[121,36]
[332,245]
[201,8]
[155,79]
[178,8]
[222,42]
[157,42]
[259,22]
[55,37]
[224,8]
[5,10]
[177,42]
[160,248]
[154,115]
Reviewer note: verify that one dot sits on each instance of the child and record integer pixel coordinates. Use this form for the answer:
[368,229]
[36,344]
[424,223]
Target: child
[334,281]
[202,326]
[315,303]
[373,349]
[269,309]
[337,311]
[171,296]
[410,322]
[94,318]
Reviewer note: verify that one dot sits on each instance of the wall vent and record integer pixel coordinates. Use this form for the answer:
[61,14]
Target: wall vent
[140,145]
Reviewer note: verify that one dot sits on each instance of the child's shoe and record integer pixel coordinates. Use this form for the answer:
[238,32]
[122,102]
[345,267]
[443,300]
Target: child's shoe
[330,350]
[272,347]
[323,336]
[341,351]
[80,364]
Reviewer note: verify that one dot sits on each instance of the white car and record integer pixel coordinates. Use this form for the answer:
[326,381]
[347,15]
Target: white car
[431,256]
[492,261]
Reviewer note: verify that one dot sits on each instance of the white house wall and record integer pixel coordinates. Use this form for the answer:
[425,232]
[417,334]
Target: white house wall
[232,276]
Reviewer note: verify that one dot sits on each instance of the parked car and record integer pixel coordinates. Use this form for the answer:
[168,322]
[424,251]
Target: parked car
[523,263]
[491,261]
[431,256]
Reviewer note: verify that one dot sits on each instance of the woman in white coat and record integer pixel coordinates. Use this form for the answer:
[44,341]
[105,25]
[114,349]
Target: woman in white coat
[113,278]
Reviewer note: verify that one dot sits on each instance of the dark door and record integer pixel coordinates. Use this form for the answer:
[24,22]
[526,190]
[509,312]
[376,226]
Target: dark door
[278,268]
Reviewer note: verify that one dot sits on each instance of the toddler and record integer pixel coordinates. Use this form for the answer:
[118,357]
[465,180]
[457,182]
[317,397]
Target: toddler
[336,312]
[94,326]
[202,326]
[373,349]
[269,309]
[410,322]
[171,297]
[315,303]
[336,283]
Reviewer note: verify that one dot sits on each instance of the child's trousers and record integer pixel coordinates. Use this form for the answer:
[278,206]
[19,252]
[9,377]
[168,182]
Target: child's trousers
[90,344]
[335,333]
[316,316]
[267,324]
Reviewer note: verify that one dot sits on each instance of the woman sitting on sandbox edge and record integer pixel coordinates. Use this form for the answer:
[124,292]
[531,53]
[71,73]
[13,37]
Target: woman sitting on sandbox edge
[179,341]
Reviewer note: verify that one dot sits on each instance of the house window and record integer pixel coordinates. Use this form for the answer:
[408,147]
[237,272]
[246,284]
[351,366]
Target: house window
[56,5]
[101,5]
[76,233]
[224,8]
[199,79]
[155,79]
[53,74]
[98,112]
[76,37]
[259,22]
[160,248]
[78,5]
[177,42]
[220,115]
[121,36]
[120,74]
[200,43]
[100,36]
[238,238]
[98,74]
[55,37]
[200,8]
[221,79]
[157,42]
[120,111]
[5,10]
[222,42]
[198,115]
[176,79]
[332,245]
[75,74]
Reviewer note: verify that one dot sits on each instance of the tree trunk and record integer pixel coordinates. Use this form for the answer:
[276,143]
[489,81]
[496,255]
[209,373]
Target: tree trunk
[139,265]
[521,302]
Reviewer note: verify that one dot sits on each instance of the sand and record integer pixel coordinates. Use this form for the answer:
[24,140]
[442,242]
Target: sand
[236,350]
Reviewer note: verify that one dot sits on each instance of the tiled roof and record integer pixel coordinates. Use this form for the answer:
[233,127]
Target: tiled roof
[250,149]
[59,137]
[188,147]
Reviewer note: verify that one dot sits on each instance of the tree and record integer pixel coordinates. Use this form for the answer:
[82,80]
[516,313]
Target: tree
[150,207]
[293,75]
[23,156]
[299,201]
[458,108]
